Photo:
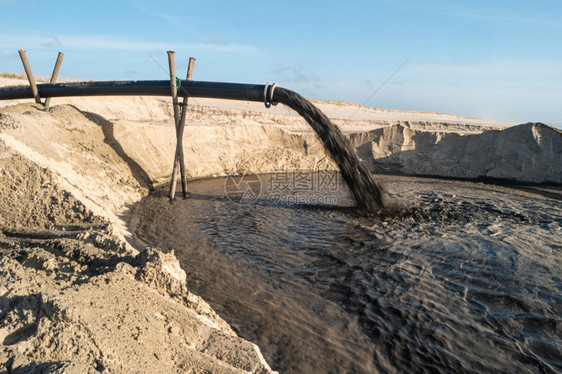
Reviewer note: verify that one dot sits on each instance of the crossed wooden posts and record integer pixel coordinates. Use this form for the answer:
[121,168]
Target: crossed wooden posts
[180,112]
[31,79]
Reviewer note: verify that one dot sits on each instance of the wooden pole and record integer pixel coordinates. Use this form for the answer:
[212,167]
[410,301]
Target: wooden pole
[174,90]
[179,162]
[55,75]
[29,74]
[179,147]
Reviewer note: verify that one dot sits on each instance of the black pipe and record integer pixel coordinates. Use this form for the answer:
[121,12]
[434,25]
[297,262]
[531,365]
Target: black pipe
[215,90]
[367,192]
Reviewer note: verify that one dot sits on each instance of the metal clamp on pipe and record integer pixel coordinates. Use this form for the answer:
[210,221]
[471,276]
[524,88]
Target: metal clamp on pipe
[268,94]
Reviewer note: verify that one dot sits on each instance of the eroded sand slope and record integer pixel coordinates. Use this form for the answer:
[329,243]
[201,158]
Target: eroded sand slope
[529,152]
[74,296]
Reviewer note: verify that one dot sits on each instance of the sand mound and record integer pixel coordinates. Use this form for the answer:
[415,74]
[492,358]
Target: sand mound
[75,297]
[530,152]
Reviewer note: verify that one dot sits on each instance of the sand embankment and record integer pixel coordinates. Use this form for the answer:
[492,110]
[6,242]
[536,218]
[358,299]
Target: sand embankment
[530,152]
[75,294]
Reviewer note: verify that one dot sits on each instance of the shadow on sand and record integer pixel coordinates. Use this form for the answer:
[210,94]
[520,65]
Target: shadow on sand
[109,138]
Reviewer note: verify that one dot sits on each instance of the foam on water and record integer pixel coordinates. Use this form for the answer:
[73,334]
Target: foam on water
[462,277]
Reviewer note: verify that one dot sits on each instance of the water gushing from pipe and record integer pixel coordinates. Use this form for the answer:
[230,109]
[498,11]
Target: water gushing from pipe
[368,194]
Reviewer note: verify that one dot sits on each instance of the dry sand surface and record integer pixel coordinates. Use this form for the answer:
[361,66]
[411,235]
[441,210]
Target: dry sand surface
[79,294]
[75,297]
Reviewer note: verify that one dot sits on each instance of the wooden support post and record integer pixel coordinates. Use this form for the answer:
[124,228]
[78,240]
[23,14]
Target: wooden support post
[179,162]
[55,75]
[177,114]
[29,74]
[179,148]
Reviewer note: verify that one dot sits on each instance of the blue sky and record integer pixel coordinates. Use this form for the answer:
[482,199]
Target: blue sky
[492,59]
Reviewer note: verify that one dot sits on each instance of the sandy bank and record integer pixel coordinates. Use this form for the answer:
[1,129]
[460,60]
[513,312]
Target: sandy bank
[74,296]
[529,152]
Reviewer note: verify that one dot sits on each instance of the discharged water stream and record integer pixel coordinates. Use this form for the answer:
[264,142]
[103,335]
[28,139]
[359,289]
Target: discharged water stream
[464,277]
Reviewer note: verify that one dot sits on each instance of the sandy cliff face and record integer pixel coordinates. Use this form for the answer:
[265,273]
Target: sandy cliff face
[222,136]
[530,152]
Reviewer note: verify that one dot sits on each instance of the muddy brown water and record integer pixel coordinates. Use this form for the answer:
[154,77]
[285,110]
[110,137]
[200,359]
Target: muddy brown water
[462,277]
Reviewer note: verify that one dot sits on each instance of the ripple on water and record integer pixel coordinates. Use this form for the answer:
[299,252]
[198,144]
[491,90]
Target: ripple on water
[460,277]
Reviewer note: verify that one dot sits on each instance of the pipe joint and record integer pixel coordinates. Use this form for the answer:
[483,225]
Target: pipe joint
[268,94]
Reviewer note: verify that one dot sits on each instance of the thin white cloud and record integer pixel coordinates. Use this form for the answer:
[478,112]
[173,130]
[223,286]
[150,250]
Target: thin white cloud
[295,74]
[532,15]
[8,55]
[107,42]
[507,70]
[50,41]
[528,14]
[157,9]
